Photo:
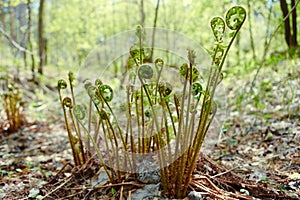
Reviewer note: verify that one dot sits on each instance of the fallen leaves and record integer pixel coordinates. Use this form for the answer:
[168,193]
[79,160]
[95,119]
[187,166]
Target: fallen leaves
[28,158]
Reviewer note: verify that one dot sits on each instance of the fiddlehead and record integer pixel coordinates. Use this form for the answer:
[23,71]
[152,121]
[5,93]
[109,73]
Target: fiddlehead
[92,92]
[61,84]
[235,17]
[68,102]
[79,112]
[197,89]
[217,25]
[159,63]
[106,92]
[145,72]
[165,89]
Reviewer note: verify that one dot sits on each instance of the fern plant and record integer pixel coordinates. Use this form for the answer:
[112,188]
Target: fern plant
[162,120]
[13,106]
[196,119]
[72,126]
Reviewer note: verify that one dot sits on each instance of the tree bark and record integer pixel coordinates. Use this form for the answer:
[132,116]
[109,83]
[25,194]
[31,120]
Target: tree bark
[294,24]
[290,34]
[251,31]
[287,28]
[29,41]
[12,21]
[41,39]
[2,15]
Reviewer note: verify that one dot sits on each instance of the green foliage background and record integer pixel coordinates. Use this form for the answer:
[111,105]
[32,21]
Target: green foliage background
[73,27]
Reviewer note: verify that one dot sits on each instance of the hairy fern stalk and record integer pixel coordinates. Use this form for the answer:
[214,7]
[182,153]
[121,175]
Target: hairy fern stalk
[162,124]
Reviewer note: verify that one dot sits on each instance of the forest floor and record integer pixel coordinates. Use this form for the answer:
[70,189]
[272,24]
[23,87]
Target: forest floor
[257,153]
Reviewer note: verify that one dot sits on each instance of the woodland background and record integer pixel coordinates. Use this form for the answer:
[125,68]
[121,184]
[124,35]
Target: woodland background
[42,40]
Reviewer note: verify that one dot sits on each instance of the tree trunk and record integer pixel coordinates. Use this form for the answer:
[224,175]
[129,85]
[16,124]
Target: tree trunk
[287,28]
[290,34]
[24,53]
[41,39]
[2,15]
[29,41]
[12,21]
[294,24]
[251,31]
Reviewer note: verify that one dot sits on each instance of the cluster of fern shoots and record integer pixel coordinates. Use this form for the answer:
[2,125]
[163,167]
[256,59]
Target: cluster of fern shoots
[12,105]
[164,124]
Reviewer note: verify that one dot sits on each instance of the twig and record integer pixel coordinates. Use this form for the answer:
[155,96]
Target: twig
[209,182]
[129,195]
[14,43]
[63,168]
[121,192]
[71,195]
[220,174]
[58,187]
[210,191]
[216,192]
[110,185]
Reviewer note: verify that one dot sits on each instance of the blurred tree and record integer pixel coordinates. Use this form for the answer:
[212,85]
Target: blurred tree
[41,38]
[12,20]
[2,14]
[290,33]
[249,16]
[142,13]
[29,43]
[62,33]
